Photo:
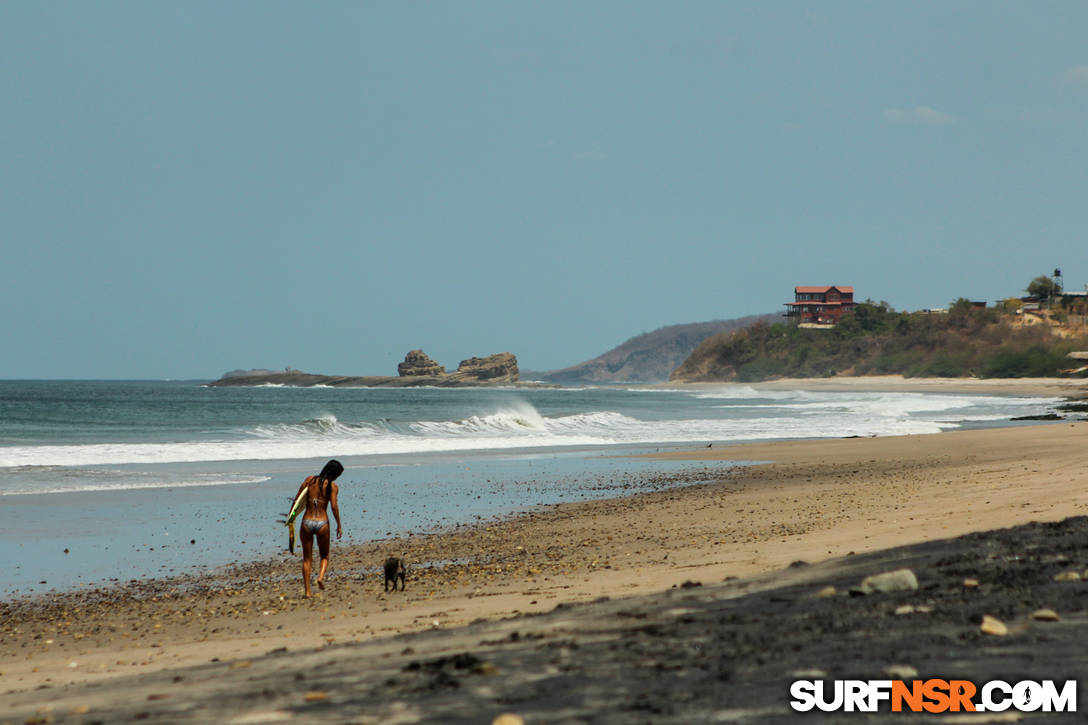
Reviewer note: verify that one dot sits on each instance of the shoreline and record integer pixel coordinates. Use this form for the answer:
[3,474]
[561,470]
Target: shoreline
[817,500]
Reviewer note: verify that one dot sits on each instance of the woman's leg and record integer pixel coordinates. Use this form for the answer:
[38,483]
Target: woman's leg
[323,546]
[307,558]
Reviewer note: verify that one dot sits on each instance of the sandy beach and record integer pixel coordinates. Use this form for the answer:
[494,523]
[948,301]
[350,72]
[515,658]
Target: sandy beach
[813,501]
[1058,387]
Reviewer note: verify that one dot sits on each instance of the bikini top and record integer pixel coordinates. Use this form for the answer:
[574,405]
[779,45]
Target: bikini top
[320,501]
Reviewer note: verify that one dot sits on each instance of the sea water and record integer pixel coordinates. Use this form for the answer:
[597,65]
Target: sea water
[104,481]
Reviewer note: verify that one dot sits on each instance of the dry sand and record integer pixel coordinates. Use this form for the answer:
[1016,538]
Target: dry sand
[1045,387]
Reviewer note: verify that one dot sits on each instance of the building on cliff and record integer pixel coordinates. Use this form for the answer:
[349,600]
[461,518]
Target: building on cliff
[820,305]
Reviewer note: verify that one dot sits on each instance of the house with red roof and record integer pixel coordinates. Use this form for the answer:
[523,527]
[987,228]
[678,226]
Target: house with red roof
[820,305]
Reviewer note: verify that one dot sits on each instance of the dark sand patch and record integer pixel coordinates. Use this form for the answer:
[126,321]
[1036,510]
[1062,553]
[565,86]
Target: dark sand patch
[714,652]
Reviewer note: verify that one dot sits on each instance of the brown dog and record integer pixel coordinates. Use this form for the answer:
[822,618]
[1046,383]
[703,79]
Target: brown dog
[395,569]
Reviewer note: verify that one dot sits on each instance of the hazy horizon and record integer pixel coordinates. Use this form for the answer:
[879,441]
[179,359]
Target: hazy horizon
[194,188]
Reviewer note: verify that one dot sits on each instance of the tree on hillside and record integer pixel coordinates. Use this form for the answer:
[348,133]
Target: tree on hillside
[1044,286]
[960,306]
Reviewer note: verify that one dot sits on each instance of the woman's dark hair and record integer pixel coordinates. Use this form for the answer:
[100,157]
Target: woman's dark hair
[331,471]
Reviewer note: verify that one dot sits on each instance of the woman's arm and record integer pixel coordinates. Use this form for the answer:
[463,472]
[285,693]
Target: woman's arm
[334,500]
[304,485]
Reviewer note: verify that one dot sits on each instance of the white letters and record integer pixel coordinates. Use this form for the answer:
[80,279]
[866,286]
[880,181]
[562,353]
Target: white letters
[804,697]
[992,696]
[855,695]
[879,690]
[988,700]
[1065,701]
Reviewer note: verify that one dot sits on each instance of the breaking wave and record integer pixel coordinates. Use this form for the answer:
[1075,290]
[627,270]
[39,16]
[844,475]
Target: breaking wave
[732,413]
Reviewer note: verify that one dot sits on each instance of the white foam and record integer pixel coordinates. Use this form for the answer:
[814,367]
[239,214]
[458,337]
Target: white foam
[517,424]
[131,485]
[747,392]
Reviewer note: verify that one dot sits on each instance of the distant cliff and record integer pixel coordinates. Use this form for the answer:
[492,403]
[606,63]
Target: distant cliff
[650,357]
[417,370]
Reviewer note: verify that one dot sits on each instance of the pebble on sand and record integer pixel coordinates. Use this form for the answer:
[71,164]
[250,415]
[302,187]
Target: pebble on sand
[1045,615]
[1067,576]
[970,583]
[901,672]
[825,592]
[900,580]
[994,626]
[508,718]
[315,696]
[261,717]
[809,674]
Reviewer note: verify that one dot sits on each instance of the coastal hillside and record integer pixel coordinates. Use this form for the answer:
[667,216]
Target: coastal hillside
[649,357]
[874,339]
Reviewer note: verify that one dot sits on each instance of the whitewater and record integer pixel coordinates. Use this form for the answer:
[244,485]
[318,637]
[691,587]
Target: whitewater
[77,429]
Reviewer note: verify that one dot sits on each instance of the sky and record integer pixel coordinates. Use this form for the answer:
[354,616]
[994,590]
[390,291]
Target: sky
[190,188]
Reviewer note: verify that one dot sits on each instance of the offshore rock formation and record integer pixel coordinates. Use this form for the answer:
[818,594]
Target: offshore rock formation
[498,368]
[243,373]
[417,362]
[416,370]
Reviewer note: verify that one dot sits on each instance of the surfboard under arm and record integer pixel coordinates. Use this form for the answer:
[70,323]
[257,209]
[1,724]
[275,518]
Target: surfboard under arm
[296,509]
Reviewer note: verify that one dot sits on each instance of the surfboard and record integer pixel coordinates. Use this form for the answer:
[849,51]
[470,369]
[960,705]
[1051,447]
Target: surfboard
[296,509]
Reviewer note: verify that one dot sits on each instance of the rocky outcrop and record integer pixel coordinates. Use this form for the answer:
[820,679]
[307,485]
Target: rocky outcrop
[417,362]
[416,370]
[244,373]
[498,368]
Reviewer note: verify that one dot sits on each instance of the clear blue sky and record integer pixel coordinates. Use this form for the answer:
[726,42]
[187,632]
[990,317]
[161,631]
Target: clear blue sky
[191,187]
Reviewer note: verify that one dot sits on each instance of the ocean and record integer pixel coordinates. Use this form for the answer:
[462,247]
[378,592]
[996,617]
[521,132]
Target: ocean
[105,481]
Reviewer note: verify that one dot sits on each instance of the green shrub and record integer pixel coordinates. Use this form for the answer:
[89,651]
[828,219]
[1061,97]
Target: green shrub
[1034,362]
[760,370]
[945,365]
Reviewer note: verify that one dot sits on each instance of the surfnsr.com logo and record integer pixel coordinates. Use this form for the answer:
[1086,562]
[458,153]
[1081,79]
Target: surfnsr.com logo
[933,695]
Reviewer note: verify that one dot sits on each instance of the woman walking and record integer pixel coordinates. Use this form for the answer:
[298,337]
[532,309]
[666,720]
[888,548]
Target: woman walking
[320,492]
